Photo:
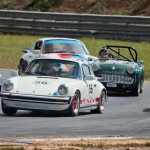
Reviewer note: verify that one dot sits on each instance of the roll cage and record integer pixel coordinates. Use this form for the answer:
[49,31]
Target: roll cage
[116,49]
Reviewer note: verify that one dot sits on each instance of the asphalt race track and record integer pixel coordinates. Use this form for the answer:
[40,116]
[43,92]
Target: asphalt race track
[123,116]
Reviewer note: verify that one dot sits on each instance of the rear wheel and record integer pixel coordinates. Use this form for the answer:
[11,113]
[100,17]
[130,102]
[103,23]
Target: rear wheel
[100,106]
[75,105]
[7,110]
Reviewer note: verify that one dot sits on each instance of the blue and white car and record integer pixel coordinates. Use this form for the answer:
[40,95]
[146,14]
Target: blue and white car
[48,46]
[56,82]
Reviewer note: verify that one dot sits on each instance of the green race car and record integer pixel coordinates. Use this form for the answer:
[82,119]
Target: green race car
[118,69]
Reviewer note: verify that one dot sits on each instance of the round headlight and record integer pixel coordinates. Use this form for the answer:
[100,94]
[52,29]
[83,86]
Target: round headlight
[8,85]
[62,90]
[130,70]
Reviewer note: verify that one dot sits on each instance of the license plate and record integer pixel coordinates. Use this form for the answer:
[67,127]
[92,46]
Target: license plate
[111,85]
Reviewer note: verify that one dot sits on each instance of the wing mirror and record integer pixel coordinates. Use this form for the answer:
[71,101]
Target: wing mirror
[95,67]
[36,51]
[89,77]
[26,50]
[141,62]
[90,59]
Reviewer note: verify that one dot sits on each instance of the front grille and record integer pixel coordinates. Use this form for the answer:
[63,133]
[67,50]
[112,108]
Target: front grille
[115,79]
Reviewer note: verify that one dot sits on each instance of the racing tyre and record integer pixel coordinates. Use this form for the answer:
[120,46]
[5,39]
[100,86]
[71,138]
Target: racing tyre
[8,111]
[22,67]
[141,88]
[136,91]
[100,106]
[75,105]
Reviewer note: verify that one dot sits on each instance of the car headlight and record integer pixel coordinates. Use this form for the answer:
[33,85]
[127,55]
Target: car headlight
[8,85]
[62,90]
[131,70]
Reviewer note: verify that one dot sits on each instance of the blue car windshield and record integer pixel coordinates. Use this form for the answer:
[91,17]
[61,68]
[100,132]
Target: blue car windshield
[64,46]
[55,68]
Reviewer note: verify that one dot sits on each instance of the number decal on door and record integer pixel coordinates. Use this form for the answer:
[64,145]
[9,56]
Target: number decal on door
[90,89]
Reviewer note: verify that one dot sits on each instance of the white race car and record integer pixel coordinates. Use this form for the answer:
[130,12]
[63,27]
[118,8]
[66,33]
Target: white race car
[53,84]
[53,45]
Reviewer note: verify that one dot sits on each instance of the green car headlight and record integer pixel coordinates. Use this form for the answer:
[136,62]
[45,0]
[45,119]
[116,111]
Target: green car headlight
[131,70]
[62,90]
[8,85]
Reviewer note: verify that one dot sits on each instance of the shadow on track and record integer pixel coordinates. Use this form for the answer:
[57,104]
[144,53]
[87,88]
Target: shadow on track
[146,110]
[43,114]
[120,94]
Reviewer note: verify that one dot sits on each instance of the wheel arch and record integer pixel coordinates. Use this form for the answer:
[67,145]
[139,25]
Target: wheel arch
[77,90]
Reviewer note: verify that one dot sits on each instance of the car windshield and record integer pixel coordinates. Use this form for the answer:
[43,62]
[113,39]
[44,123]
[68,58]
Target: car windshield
[54,68]
[64,46]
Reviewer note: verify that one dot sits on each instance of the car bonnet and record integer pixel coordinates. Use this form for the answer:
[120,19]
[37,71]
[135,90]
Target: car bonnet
[40,85]
[115,67]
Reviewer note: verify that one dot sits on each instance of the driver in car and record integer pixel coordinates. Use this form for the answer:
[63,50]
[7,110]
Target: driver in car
[104,54]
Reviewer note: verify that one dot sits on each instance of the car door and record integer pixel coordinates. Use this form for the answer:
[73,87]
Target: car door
[89,85]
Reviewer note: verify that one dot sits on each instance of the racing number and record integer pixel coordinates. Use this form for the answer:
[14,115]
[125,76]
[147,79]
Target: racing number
[90,89]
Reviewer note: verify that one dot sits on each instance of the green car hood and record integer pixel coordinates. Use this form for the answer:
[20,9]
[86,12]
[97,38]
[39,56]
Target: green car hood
[115,67]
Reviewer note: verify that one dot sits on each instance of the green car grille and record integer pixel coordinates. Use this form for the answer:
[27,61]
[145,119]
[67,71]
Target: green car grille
[115,79]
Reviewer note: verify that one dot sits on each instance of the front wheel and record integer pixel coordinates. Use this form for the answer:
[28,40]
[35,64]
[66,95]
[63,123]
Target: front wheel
[8,111]
[100,106]
[75,105]
[141,87]
[136,91]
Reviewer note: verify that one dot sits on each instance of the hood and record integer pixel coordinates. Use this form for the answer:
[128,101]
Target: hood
[32,85]
[116,67]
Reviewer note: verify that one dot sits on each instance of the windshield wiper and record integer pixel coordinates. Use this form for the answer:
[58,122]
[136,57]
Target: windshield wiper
[40,73]
[47,77]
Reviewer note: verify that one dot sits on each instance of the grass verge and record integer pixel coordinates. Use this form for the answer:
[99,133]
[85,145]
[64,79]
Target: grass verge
[84,144]
[11,46]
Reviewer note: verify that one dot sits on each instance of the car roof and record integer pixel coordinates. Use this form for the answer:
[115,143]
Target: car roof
[53,38]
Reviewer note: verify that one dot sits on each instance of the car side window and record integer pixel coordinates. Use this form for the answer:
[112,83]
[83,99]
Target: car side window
[86,70]
[38,45]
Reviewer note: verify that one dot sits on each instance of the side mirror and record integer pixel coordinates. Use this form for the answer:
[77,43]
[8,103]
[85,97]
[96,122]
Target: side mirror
[95,67]
[26,50]
[36,51]
[89,77]
[141,62]
[14,73]
[90,59]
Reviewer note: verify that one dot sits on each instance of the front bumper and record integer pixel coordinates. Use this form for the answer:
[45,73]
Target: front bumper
[118,86]
[113,82]
[30,102]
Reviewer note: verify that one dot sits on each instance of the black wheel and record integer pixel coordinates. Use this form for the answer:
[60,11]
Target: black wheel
[8,111]
[141,85]
[136,91]
[22,66]
[75,105]
[100,106]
